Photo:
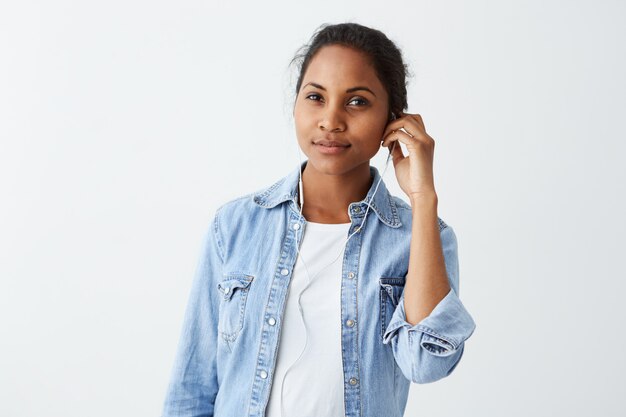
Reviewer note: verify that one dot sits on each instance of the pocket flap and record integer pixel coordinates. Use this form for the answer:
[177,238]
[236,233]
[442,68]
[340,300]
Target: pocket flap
[393,287]
[232,282]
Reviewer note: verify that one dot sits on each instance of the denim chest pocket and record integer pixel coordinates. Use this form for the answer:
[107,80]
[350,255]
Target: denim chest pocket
[233,289]
[390,291]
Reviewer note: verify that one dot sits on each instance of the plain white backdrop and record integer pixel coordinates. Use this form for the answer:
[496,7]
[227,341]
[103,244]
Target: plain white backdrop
[125,124]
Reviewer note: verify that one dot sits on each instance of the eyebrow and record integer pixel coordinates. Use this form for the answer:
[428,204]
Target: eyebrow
[349,90]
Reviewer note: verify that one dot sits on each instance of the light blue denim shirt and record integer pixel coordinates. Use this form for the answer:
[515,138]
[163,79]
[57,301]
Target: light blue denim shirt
[227,350]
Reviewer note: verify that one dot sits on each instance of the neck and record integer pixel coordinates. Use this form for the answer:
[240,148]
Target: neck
[327,196]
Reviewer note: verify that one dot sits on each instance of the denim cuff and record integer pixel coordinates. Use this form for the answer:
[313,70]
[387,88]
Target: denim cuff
[442,331]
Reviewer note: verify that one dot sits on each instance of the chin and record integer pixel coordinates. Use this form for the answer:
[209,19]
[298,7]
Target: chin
[330,166]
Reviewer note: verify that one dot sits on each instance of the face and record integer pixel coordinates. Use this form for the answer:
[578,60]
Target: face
[341,99]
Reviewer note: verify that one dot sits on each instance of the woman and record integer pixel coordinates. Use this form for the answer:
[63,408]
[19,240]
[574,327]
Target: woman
[276,324]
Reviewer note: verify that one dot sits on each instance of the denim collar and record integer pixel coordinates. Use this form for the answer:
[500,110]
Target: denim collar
[286,188]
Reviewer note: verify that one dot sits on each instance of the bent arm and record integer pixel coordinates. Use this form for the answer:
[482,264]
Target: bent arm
[432,348]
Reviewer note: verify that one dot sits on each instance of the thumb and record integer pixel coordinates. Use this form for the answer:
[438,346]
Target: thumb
[396,152]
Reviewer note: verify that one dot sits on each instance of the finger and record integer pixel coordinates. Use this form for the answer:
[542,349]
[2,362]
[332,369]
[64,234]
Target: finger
[399,135]
[396,152]
[420,121]
[394,125]
[391,127]
[417,118]
[408,123]
[400,128]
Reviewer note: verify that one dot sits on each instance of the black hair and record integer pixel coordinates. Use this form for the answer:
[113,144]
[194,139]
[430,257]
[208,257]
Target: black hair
[384,55]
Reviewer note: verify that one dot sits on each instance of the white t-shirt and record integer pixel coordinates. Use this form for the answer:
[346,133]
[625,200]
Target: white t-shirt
[313,384]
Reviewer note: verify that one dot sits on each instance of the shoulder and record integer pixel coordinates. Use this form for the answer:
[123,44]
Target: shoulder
[236,208]
[406,215]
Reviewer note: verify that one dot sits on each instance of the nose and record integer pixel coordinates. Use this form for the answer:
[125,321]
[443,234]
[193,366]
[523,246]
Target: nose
[332,119]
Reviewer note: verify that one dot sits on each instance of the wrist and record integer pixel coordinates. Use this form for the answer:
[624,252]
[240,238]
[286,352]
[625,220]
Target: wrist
[422,198]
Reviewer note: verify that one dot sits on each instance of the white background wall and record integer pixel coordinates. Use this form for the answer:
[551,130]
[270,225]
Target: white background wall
[124,124]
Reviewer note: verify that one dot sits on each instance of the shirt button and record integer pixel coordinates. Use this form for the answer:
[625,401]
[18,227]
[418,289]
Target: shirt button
[350,323]
[296,226]
[357,209]
[353,381]
[264,375]
[351,275]
[284,272]
[358,229]
[272,321]
[226,290]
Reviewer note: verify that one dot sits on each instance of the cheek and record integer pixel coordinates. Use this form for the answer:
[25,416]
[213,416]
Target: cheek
[373,131]
[301,117]
[373,137]
[302,133]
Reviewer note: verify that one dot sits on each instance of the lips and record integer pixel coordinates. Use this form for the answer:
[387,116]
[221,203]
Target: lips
[330,147]
[331,143]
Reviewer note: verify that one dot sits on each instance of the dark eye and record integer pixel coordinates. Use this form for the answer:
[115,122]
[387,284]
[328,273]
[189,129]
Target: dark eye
[360,99]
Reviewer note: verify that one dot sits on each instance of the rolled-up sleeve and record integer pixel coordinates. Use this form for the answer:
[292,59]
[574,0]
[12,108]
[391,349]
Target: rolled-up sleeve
[432,348]
[193,383]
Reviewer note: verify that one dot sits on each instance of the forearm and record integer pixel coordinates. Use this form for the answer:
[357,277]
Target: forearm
[427,281]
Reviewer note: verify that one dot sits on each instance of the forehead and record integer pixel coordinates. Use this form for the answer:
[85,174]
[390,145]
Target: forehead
[337,66]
